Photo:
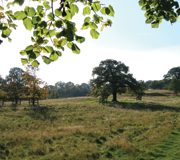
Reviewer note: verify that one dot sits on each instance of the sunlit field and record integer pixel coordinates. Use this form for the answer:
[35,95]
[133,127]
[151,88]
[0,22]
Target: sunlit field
[81,128]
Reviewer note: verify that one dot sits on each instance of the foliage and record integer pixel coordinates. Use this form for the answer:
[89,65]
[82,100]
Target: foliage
[54,94]
[172,73]
[157,10]
[175,85]
[3,94]
[157,84]
[69,89]
[52,21]
[113,74]
[35,86]
[102,91]
[15,75]
[138,90]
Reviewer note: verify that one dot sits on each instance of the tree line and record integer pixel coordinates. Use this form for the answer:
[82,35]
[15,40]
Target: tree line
[69,89]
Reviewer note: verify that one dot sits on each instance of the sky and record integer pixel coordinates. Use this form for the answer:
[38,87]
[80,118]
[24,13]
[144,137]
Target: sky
[148,52]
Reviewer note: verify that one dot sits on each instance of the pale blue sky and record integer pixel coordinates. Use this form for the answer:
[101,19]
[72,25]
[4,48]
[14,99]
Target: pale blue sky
[148,52]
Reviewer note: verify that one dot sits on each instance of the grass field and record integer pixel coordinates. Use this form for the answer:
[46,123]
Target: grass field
[81,128]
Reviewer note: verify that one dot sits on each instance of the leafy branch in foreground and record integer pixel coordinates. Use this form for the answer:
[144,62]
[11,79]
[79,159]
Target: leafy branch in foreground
[51,23]
[156,10]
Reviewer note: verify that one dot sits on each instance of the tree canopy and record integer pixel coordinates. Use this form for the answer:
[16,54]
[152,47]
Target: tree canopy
[173,73]
[53,28]
[114,74]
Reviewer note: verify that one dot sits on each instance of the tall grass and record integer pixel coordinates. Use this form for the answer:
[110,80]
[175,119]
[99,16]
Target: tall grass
[76,128]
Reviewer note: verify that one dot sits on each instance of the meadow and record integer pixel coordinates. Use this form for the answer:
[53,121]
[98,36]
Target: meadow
[81,128]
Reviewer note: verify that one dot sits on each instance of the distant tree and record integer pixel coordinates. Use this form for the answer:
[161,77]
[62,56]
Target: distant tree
[153,85]
[173,73]
[161,84]
[51,87]
[114,74]
[69,85]
[36,87]
[175,85]
[60,85]
[54,94]
[15,75]
[148,83]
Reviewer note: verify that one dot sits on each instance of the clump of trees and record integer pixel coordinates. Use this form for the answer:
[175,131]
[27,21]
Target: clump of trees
[69,89]
[157,84]
[23,84]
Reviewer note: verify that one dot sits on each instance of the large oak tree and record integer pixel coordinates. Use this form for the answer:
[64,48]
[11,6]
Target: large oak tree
[114,74]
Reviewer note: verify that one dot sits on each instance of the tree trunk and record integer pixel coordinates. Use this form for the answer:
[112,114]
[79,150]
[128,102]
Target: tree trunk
[114,96]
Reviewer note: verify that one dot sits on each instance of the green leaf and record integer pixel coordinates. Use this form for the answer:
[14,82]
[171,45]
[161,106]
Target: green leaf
[50,33]
[19,2]
[96,19]
[93,25]
[50,16]
[1,8]
[96,6]
[142,2]
[85,26]
[23,53]
[74,48]
[46,4]
[30,11]
[155,24]
[40,8]
[24,61]
[35,63]
[87,19]
[19,15]
[36,19]
[58,13]
[94,34]
[103,10]
[58,23]
[6,32]
[46,60]
[9,39]
[32,39]
[27,23]
[31,56]
[63,41]
[29,48]
[111,11]
[86,10]
[49,49]
[74,9]
[54,56]
[80,39]
[149,20]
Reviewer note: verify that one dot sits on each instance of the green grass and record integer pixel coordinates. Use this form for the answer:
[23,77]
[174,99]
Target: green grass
[81,128]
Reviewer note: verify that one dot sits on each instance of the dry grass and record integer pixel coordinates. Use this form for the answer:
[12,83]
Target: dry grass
[80,128]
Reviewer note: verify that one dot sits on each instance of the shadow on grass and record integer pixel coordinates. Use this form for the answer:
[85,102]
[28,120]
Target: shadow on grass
[142,106]
[42,113]
[155,94]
